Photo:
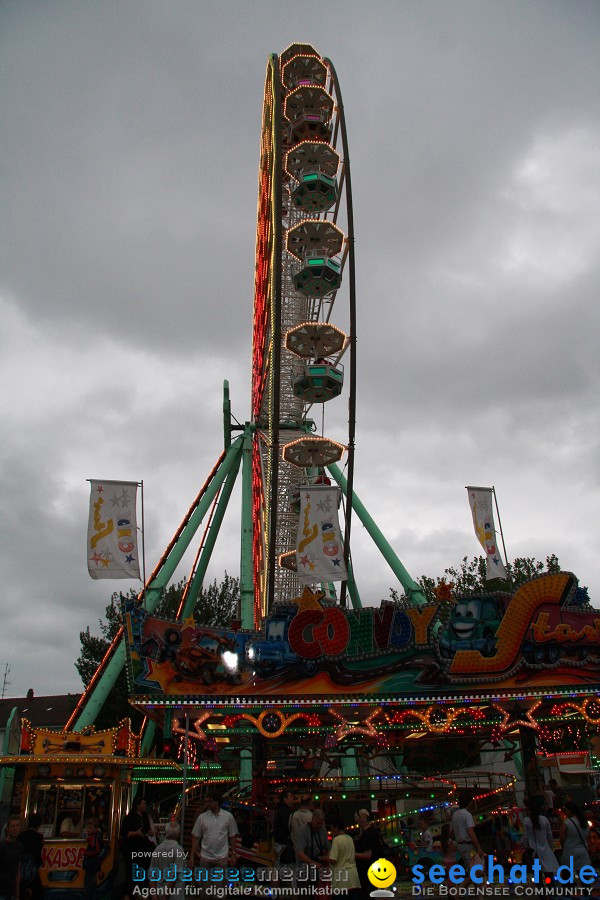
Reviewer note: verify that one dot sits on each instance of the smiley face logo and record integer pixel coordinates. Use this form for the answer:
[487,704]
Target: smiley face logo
[382,873]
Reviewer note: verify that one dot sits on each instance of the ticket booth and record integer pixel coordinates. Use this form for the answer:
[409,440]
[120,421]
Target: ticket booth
[69,778]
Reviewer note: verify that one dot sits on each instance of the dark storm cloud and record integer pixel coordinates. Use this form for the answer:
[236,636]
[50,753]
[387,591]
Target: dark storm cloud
[129,180]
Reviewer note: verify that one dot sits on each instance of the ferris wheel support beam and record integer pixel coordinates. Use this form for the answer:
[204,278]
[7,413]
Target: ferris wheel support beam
[412,589]
[184,539]
[246,565]
[209,546]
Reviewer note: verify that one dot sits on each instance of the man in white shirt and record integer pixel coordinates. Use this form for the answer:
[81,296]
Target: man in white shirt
[299,819]
[70,827]
[214,833]
[462,831]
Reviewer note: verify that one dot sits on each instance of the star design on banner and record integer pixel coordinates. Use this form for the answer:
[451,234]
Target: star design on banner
[96,558]
[99,488]
[114,500]
[106,562]
[124,498]
[304,560]
[336,562]
[325,504]
[129,559]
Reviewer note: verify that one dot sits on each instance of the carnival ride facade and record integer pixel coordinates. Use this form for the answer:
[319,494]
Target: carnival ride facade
[307,687]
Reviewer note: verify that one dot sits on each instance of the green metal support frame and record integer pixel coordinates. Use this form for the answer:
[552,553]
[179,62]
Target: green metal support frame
[246,562]
[213,533]
[412,589]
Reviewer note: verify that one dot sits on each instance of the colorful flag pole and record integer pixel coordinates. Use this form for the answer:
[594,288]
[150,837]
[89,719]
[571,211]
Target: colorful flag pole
[112,543]
[500,524]
[143,544]
[480,501]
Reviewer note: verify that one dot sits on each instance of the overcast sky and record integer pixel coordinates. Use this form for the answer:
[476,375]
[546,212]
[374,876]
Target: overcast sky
[129,183]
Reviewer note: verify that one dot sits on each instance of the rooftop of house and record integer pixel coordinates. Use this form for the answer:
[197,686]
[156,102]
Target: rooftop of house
[50,711]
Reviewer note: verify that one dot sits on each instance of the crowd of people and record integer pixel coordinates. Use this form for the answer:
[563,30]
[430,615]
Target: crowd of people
[301,839]
[306,838]
[555,831]
[21,858]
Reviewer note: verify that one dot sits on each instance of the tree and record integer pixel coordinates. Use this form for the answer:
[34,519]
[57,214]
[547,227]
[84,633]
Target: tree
[470,577]
[93,649]
[216,606]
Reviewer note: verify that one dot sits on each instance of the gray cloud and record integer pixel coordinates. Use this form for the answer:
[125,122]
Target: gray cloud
[129,184]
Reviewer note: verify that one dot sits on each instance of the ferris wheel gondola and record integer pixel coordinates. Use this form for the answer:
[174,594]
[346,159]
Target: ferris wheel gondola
[304,265]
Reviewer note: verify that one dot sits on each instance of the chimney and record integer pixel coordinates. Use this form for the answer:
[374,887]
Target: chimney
[30,694]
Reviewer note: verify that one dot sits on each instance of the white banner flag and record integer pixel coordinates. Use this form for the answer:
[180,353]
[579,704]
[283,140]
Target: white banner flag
[319,551]
[112,545]
[480,500]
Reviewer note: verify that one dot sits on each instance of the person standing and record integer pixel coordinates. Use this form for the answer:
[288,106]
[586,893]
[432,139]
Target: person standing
[281,824]
[313,845]
[134,835]
[169,856]
[574,833]
[213,836]
[342,860]
[299,819]
[32,841]
[92,859]
[462,831]
[11,851]
[538,835]
[369,847]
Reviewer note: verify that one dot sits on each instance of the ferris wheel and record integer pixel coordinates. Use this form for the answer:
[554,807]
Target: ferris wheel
[304,285]
[304,262]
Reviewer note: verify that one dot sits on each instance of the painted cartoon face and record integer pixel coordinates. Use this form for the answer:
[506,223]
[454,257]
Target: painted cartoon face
[382,873]
[464,618]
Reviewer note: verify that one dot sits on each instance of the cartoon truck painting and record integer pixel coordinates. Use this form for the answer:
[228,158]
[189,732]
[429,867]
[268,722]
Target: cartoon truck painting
[273,654]
[546,622]
[472,626]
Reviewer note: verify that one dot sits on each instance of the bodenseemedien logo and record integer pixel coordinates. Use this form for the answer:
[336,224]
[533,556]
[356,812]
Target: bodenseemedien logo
[382,874]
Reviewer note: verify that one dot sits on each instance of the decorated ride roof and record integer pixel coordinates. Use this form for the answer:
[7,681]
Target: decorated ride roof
[541,641]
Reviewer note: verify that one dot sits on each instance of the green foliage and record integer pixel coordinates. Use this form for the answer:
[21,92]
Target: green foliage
[216,606]
[469,577]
